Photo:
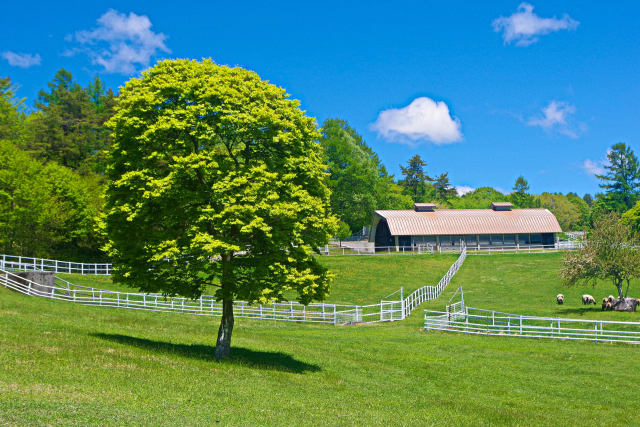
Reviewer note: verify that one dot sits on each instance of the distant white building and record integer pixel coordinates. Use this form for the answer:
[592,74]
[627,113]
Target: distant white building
[478,228]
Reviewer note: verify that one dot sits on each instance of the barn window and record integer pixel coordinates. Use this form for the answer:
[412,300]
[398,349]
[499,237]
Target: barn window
[523,239]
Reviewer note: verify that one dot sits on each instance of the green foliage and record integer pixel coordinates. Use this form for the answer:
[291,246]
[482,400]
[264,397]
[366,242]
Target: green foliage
[608,253]
[622,180]
[45,210]
[68,127]
[416,182]
[11,115]
[632,218]
[588,199]
[571,211]
[353,173]
[389,194]
[344,231]
[215,177]
[480,198]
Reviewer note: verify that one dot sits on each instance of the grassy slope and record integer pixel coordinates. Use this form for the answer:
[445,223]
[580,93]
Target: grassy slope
[528,284]
[65,363]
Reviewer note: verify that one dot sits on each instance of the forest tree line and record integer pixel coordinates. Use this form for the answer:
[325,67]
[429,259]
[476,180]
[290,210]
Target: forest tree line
[52,164]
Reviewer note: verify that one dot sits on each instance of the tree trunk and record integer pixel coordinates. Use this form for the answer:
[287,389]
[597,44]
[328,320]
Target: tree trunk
[223,345]
[619,286]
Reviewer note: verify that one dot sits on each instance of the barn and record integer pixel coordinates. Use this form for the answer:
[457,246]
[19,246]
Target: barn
[446,229]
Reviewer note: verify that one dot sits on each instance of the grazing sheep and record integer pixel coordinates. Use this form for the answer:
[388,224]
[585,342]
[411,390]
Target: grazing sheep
[605,300]
[637,301]
[611,299]
[588,299]
[607,306]
[560,299]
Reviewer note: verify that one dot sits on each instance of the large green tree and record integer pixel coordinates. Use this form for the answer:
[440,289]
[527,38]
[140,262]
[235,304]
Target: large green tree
[608,253]
[621,181]
[353,173]
[216,179]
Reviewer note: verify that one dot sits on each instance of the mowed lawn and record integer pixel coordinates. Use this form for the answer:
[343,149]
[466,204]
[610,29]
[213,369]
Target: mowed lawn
[528,284]
[62,363]
[358,279]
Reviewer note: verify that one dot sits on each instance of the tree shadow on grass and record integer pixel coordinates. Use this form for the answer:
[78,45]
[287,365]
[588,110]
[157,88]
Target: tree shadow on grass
[580,310]
[268,360]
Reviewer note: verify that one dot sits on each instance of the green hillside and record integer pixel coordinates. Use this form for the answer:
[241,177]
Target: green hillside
[71,364]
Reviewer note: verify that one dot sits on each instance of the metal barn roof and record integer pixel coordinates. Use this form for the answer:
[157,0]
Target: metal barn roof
[469,221]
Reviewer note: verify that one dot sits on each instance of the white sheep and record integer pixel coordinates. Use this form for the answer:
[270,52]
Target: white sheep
[560,299]
[588,299]
[611,299]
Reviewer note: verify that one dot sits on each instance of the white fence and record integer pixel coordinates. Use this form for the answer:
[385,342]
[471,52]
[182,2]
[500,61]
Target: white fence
[346,250]
[486,322]
[427,293]
[13,262]
[207,305]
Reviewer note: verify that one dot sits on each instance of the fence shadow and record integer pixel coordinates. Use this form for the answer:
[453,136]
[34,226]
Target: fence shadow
[267,360]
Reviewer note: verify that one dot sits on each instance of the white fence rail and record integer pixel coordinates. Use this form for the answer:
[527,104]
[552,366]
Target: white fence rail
[427,293]
[346,250]
[206,305]
[13,262]
[487,322]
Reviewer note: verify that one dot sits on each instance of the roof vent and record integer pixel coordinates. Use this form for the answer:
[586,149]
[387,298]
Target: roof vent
[424,207]
[501,206]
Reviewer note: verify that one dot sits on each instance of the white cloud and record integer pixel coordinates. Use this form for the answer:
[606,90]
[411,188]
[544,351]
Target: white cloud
[594,167]
[423,119]
[463,189]
[121,43]
[22,60]
[555,119]
[524,26]
[502,190]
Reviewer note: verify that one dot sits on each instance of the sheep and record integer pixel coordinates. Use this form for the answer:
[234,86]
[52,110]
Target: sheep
[605,300]
[560,299]
[611,299]
[607,306]
[588,299]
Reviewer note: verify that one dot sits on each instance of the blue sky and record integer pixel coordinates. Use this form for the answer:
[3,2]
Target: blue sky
[486,91]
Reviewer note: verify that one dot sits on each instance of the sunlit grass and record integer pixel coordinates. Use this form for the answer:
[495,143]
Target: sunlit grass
[64,363]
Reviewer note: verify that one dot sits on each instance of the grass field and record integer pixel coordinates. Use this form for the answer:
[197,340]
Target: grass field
[62,363]
[528,284]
